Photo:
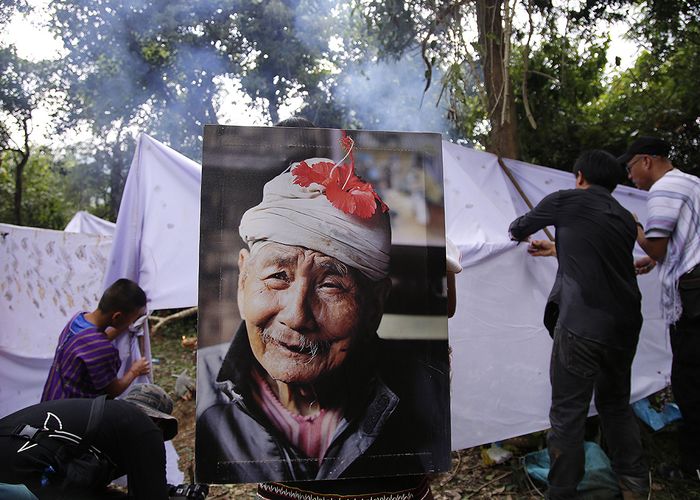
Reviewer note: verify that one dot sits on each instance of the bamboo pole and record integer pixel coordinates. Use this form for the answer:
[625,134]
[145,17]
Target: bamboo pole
[521,192]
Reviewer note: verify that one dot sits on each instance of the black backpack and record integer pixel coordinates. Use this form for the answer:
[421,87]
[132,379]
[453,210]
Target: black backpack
[73,466]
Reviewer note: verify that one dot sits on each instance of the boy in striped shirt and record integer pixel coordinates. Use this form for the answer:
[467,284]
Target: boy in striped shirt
[86,362]
[672,238]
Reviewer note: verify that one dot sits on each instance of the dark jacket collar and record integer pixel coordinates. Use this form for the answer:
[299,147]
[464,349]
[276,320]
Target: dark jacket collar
[234,375]
[595,188]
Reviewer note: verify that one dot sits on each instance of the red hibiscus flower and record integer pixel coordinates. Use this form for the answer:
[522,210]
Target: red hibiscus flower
[345,190]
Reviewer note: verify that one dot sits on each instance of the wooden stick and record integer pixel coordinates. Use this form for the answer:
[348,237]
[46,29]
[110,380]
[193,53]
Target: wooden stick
[521,193]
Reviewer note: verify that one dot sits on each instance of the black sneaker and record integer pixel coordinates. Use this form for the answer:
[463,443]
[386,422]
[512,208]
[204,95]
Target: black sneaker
[634,487]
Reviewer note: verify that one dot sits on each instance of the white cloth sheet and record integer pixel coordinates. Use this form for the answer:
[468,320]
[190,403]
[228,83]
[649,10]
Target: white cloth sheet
[500,348]
[86,223]
[47,276]
[156,241]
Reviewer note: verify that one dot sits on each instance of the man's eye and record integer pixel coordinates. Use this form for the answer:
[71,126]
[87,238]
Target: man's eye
[332,284]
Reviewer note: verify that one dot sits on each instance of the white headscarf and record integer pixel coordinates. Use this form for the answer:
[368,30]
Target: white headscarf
[302,216]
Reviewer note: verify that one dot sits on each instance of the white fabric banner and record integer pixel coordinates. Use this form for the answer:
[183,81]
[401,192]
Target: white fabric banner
[156,242]
[500,348]
[47,276]
[86,223]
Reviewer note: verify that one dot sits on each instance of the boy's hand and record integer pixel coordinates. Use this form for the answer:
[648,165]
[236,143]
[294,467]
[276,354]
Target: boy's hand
[140,367]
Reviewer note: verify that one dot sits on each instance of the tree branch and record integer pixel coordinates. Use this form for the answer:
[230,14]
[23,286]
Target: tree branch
[161,322]
[526,64]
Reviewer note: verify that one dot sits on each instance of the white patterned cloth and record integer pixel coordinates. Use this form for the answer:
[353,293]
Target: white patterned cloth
[674,212]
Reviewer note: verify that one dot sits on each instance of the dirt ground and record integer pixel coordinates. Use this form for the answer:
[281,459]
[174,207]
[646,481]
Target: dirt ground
[469,478]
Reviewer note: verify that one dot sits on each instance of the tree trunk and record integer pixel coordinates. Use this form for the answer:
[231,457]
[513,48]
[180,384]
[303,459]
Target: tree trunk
[116,186]
[271,97]
[272,109]
[117,160]
[19,172]
[493,40]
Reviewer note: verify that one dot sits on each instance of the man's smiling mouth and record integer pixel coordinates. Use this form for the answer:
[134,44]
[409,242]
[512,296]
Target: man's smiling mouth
[304,346]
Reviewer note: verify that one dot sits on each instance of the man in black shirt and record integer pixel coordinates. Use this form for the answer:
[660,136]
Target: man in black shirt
[594,316]
[130,432]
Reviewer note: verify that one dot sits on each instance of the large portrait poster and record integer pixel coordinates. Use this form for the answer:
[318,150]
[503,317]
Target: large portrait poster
[322,306]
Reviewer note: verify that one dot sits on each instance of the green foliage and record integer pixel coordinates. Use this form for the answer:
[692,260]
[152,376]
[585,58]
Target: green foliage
[669,24]
[23,85]
[654,98]
[157,67]
[578,108]
[44,203]
[466,108]
[561,78]
[84,182]
[563,83]
[140,66]
[15,97]
[288,55]
[395,25]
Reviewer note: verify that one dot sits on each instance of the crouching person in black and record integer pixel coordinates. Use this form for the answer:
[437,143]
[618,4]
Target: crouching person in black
[72,448]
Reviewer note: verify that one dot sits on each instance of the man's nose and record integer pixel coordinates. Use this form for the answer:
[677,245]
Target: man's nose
[297,312]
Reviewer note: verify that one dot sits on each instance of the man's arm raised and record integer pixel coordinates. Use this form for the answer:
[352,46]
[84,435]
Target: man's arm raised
[543,215]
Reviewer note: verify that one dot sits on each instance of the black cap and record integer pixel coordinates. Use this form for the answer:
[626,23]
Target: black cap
[645,145]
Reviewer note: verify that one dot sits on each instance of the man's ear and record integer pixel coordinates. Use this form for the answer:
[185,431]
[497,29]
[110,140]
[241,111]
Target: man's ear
[381,290]
[115,318]
[580,179]
[243,256]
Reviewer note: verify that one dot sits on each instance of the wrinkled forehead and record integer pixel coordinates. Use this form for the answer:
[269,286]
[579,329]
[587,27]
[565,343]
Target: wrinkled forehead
[269,253]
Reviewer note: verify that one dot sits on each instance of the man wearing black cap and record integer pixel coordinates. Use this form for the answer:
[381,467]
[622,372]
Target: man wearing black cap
[672,239]
[129,434]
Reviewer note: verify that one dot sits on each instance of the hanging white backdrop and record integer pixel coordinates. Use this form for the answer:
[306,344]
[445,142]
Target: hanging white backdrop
[500,348]
[86,223]
[500,356]
[156,241]
[46,277]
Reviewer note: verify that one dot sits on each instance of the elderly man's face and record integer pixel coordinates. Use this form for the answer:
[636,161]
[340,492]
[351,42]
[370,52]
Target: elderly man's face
[303,311]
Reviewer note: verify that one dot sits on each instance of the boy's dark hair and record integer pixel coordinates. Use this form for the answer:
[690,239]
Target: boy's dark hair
[600,168]
[123,296]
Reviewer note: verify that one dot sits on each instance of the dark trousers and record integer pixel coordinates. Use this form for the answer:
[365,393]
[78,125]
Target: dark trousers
[578,368]
[685,381]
